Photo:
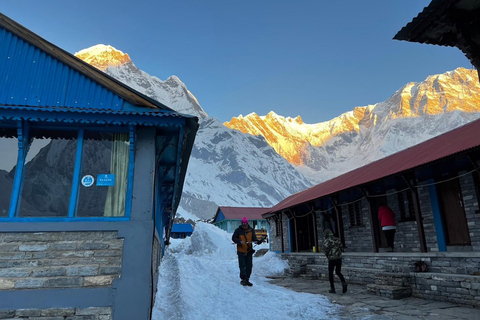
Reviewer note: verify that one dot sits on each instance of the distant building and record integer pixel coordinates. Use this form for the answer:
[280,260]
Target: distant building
[229,218]
[181,230]
[91,174]
[434,190]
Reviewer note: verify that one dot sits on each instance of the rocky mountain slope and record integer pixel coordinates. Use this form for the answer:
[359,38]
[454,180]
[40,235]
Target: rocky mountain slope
[226,168]
[415,113]
[259,160]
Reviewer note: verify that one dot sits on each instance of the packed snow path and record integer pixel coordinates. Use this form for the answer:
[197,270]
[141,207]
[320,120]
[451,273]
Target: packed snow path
[199,279]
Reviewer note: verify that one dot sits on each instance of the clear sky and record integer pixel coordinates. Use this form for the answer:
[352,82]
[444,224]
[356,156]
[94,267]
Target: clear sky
[313,58]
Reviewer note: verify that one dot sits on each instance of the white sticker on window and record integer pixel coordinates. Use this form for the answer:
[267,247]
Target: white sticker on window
[88,180]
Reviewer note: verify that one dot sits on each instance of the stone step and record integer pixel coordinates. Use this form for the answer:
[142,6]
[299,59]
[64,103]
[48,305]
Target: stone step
[392,292]
[307,276]
[393,279]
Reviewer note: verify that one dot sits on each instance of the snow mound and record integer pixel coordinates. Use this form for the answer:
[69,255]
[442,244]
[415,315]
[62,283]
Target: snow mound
[199,279]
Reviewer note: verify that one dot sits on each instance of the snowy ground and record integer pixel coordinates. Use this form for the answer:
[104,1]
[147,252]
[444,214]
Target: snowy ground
[199,279]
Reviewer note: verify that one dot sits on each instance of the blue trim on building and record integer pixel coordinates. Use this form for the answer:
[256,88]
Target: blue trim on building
[76,175]
[131,170]
[182,227]
[93,117]
[17,180]
[220,217]
[437,217]
[64,219]
[178,167]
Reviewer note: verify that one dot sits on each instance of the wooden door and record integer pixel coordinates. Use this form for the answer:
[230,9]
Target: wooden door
[455,221]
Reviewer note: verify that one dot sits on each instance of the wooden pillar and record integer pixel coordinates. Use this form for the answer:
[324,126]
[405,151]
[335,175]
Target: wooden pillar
[373,222]
[315,231]
[418,213]
[281,231]
[296,231]
[340,231]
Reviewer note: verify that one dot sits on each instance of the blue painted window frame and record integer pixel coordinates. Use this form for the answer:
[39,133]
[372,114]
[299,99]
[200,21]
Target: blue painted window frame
[23,129]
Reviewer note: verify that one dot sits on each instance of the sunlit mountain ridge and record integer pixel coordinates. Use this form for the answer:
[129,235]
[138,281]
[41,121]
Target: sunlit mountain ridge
[457,90]
[257,161]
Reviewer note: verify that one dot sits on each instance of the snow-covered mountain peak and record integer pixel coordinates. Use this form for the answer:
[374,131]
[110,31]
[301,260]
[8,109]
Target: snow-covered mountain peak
[244,161]
[299,143]
[173,92]
[103,56]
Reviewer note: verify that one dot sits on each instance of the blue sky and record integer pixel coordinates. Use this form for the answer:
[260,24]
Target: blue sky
[312,58]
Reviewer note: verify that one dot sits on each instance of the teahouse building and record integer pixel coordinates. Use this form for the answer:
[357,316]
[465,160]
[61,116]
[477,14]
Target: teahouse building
[91,174]
[181,230]
[433,187]
[230,218]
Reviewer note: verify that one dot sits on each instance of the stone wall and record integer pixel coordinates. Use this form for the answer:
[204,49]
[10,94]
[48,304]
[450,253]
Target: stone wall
[358,238]
[427,215]
[276,241]
[471,206]
[406,235]
[58,314]
[451,276]
[45,260]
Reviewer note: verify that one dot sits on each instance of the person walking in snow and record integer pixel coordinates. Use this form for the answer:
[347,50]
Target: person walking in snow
[244,236]
[389,226]
[333,251]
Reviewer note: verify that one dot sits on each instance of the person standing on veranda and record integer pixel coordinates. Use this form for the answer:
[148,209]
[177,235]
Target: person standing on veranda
[389,226]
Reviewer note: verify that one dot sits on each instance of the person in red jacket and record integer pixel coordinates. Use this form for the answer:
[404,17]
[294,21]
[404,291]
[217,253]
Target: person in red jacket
[389,226]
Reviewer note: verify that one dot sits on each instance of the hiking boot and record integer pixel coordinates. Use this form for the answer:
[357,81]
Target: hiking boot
[332,290]
[243,282]
[344,287]
[248,283]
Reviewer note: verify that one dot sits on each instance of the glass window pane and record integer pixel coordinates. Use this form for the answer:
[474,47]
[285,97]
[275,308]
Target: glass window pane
[8,162]
[48,174]
[103,186]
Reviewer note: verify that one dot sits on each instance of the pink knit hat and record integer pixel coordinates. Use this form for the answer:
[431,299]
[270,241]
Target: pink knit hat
[244,220]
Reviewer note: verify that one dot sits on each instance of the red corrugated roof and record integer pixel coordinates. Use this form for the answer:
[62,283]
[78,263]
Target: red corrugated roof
[457,140]
[237,213]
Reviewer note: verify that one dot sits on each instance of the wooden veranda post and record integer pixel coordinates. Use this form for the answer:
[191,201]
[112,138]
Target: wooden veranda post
[281,231]
[315,232]
[340,233]
[373,222]
[418,213]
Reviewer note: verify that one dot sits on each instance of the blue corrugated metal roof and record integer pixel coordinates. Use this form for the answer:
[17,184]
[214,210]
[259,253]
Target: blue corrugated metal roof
[41,80]
[182,227]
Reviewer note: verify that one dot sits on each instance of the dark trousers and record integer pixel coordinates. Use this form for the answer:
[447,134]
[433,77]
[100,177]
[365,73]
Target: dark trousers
[245,264]
[337,265]
[390,237]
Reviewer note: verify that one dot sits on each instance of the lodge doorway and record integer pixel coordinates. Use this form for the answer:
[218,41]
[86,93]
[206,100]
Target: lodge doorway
[302,235]
[378,233]
[453,213]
